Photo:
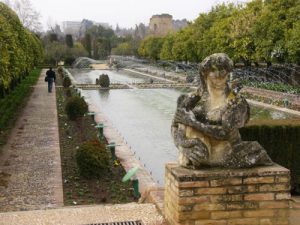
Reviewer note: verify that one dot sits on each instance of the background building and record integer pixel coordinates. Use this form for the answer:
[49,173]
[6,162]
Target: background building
[71,27]
[77,29]
[162,25]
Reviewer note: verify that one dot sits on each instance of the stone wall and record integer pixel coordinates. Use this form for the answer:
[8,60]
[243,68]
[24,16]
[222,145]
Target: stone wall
[258,196]
[291,101]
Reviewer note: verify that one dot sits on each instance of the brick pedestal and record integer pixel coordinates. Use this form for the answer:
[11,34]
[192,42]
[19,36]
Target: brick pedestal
[257,196]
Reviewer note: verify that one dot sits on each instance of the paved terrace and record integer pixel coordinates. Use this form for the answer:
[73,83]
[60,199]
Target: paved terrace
[30,162]
[84,215]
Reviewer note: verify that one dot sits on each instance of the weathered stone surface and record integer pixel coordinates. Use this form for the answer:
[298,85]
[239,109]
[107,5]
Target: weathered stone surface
[211,222]
[259,197]
[255,174]
[274,205]
[243,221]
[256,180]
[283,196]
[259,213]
[225,182]
[206,122]
[226,196]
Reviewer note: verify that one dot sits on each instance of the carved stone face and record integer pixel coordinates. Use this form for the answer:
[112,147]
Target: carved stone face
[217,79]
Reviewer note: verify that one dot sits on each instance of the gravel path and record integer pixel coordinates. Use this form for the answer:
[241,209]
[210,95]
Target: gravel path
[30,163]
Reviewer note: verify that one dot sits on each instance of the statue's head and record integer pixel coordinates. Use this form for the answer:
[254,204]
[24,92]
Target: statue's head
[216,68]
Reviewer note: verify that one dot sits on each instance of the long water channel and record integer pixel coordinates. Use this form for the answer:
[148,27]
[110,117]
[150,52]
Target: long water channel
[143,116]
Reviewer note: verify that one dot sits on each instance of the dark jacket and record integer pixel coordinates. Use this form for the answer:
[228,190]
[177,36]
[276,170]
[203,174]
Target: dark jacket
[51,74]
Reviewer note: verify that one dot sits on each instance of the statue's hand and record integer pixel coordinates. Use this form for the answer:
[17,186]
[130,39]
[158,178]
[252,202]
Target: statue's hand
[184,117]
[198,155]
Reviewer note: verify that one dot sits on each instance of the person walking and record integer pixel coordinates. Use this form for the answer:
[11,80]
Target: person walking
[51,77]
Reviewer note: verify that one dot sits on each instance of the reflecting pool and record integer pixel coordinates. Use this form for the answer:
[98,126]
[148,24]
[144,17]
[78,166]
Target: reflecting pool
[144,116]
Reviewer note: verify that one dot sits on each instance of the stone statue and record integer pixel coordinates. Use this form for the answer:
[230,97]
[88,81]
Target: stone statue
[205,125]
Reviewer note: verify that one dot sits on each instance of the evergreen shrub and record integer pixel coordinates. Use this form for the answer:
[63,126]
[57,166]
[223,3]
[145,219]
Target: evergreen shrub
[282,144]
[104,80]
[67,82]
[92,159]
[60,70]
[76,107]
[68,92]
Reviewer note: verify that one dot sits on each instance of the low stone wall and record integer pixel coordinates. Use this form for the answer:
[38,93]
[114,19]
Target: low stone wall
[291,101]
[258,196]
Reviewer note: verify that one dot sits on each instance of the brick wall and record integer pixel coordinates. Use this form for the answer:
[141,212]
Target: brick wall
[257,196]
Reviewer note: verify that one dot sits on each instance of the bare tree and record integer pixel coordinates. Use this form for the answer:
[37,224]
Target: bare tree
[27,14]
[7,2]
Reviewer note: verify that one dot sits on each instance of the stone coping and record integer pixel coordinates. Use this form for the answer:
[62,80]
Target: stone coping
[183,174]
[148,75]
[262,104]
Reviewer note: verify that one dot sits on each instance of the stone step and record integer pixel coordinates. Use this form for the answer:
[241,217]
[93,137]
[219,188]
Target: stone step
[79,215]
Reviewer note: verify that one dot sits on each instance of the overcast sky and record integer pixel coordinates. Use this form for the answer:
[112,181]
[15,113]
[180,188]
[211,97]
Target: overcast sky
[126,13]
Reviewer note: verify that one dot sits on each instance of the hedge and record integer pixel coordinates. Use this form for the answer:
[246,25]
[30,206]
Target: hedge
[282,143]
[20,50]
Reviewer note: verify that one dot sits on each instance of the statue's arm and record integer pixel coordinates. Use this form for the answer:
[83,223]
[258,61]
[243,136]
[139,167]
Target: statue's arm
[216,131]
[235,117]
[184,102]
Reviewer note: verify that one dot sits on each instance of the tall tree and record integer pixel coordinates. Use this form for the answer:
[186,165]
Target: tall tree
[101,41]
[69,41]
[150,47]
[166,50]
[53,37]
[29,17]
[242,33]
[87,43]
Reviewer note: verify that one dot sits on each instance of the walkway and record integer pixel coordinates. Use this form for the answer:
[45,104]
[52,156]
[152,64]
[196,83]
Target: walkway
[30,163]
[83,215]
[95,214]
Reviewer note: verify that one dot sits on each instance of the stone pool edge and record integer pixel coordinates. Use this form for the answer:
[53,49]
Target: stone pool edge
[124,153]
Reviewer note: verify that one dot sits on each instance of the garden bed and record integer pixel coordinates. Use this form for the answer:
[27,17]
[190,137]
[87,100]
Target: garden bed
[77,190]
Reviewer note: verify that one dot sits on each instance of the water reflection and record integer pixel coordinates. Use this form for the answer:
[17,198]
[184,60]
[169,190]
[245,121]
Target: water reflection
[104,95]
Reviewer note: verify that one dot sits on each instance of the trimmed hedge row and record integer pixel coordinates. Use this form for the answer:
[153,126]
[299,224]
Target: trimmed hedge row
[282,144]
[20,50]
